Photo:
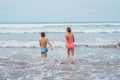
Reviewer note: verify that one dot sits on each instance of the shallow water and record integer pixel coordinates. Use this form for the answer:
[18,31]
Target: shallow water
[97,52]
[90,64]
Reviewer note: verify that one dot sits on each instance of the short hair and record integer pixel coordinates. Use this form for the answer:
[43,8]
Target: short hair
[43,34]
[69,29]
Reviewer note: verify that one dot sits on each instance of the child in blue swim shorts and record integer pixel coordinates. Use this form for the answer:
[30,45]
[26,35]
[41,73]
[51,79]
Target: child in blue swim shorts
[43,44]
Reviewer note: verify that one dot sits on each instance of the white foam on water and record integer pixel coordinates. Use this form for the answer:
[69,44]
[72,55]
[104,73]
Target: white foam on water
[35,44]
[84,67]
[78,27]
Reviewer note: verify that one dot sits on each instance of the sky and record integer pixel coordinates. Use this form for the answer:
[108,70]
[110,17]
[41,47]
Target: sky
[59,10]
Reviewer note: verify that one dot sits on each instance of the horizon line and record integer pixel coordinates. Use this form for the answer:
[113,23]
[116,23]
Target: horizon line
[58,22]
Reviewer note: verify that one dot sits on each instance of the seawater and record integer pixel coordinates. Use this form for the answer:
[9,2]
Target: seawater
[86,34]
[97,52]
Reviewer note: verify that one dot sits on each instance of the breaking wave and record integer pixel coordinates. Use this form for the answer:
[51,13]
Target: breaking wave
[33,44]
[76,27]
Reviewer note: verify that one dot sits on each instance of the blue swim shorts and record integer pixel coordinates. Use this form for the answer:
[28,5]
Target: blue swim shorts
[44,51]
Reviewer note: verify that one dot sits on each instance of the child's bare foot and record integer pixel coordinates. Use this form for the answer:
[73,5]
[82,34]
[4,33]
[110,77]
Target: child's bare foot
[73,62]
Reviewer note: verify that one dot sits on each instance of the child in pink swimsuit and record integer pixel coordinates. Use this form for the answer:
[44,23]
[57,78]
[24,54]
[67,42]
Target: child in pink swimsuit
[70,45]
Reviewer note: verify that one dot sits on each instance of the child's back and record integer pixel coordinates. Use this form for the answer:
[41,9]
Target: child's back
[43,45]
[70,44]
[70,40]
[43,42]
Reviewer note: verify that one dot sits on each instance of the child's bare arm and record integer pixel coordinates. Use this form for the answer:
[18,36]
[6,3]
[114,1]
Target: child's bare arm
[49,43]
[66,39]
[39,42]
[73,38]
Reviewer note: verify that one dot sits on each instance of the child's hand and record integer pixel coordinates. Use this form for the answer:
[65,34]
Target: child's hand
[51,48]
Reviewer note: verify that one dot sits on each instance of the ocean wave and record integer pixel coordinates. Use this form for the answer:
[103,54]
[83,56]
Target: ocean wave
[33,44]
[76,27]
[60,31]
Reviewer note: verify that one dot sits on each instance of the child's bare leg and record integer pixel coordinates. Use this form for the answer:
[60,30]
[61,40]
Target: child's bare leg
[43,57]
[73,60]
[68,52]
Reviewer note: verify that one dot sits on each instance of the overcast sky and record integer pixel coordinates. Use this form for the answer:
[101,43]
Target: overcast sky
[59,10]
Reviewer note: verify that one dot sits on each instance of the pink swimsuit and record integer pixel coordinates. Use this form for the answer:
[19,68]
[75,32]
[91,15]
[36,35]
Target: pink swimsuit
[70,43]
